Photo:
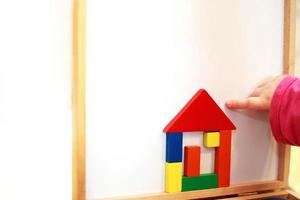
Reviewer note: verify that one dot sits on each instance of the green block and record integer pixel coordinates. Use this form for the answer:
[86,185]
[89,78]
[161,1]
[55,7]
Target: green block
[204,181]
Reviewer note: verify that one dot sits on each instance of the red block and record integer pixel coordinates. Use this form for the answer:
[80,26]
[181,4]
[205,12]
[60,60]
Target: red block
[223,159]
[192,160]
[201,113]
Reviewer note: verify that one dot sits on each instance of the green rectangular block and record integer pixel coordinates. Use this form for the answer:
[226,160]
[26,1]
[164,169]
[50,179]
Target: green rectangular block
[204,181]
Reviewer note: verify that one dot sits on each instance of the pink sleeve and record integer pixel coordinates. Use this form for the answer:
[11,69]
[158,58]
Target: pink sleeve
[285,112]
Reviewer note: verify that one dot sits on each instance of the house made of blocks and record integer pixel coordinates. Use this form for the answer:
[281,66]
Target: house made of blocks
[182,172]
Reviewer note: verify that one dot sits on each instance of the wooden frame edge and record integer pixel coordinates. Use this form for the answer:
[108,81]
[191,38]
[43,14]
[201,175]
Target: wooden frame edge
[289,41]
[289,36]
[235,189]
[284,163]
[292,195]
[277,194]
[78,100]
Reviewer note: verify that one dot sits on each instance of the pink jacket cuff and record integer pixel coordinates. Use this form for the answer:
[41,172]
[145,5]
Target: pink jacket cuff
[284,108]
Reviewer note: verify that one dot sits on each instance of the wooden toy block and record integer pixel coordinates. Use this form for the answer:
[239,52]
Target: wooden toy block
[223,159]
[192,161]
[173,177]
[205,181]
[201,113]
[211,139]
[174,148]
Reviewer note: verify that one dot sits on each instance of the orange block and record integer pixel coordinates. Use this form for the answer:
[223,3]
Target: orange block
[223,159]
[192,160]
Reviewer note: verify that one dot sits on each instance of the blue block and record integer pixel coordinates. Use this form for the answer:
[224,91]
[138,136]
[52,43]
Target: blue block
[174,147]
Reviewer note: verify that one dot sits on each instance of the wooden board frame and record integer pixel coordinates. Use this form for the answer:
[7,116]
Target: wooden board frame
[79,119]
[78,100]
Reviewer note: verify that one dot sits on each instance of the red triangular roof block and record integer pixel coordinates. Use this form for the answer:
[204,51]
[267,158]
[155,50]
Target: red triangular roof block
[201,113]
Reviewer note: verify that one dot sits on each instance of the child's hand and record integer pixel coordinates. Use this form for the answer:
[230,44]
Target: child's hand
[260,98]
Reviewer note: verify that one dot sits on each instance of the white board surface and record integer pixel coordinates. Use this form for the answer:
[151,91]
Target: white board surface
[146,59]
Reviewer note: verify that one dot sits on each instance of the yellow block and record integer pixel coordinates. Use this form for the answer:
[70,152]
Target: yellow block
[211,139]
[173,177]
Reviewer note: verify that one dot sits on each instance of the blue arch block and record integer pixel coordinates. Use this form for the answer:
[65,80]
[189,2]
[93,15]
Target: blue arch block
[174,147]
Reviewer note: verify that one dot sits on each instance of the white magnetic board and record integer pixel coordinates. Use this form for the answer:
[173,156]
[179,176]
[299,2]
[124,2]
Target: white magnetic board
[145,60]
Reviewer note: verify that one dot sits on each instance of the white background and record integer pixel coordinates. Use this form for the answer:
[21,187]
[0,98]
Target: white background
[145,61]
[35,99]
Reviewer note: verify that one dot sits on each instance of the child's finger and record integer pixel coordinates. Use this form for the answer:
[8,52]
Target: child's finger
[253,103]
[264,82]
[256,92]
